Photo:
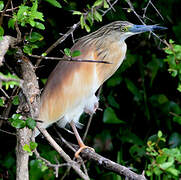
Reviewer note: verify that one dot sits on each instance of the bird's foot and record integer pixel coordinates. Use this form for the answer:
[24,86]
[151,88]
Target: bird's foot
[81,148]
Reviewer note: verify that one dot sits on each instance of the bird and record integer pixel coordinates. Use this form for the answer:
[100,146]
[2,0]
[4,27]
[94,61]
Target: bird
[71,87]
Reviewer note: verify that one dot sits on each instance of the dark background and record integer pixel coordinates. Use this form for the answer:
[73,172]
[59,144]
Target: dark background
[144,107]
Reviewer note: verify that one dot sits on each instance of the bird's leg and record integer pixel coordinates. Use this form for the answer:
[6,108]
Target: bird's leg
[80,142]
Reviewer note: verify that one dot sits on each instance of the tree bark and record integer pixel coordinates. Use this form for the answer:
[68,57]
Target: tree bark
[22,157]
[29,106]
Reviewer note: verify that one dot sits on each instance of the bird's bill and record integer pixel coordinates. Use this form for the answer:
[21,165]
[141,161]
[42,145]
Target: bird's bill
[144,28]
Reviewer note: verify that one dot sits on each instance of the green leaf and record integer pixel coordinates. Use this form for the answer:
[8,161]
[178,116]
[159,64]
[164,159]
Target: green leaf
[129,137]
[97,3]
[1,31]
[39,25]
[1,5]
[110,117]
[154,66]
[27,148]
[35,6]
[10,84]
[82,22]
[162,99]
[32,23]
[90,18]
[34,36]
[54,3]
[22,12]
[67,52]
[173,171]
[159,134]
[160,159]
[17,122]
[97,16]
[77,13]
[114,81]
[171,41]
[112,101]
[177,119]
[179,87]
[11,23]
[1,102]
[33,145]
[44,54]
[28,48]
[87,27]
[105,5]
[166,165]
[43,80]
[75,53]
[157,171]
[15,101]
[149,173]
[30,123]
[133,89]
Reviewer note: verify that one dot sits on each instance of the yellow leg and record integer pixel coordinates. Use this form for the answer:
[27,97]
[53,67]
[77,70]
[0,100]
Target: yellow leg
[80,142]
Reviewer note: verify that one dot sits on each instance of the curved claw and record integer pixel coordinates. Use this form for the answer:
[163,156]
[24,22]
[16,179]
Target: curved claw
[81,148]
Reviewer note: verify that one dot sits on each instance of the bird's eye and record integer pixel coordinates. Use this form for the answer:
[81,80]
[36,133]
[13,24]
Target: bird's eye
[123,29]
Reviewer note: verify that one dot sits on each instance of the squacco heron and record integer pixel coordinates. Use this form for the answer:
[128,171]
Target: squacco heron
[71,87]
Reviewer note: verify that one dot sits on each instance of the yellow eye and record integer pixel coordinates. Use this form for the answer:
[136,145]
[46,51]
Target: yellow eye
[123,28]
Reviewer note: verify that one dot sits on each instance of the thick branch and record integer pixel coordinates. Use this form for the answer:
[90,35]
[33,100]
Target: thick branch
[22,157]
[4,46]
[65,156]
[30,99]
[110,165]
[88,154]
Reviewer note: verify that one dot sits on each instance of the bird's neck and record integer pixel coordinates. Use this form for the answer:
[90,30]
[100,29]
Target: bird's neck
[112,50]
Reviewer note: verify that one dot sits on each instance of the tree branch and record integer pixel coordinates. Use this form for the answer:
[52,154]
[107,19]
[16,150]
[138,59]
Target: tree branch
[88,154]
[72,163]
[60,40]
[4,46]
[31,99]
[70,59]
[110,165]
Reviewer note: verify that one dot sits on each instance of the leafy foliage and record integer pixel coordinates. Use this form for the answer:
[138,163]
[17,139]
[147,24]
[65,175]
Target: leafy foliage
[164,161]
[28,15]
[18,122]
[141,98]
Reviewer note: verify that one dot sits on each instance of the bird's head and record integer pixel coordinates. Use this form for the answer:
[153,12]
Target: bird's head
[127,29]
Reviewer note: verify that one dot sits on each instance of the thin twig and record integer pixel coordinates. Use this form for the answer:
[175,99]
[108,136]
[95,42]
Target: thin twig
[70,59]
[48,163]
[138,16]
[64,141]
[5,79]
[12,9]
[90,118]
[70,32]
[7,132]
[156,10]
[73,149]
[3,12]
[4,92]
[22,118]
[7,110]
[60,40]
[72,163]
[111,7]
